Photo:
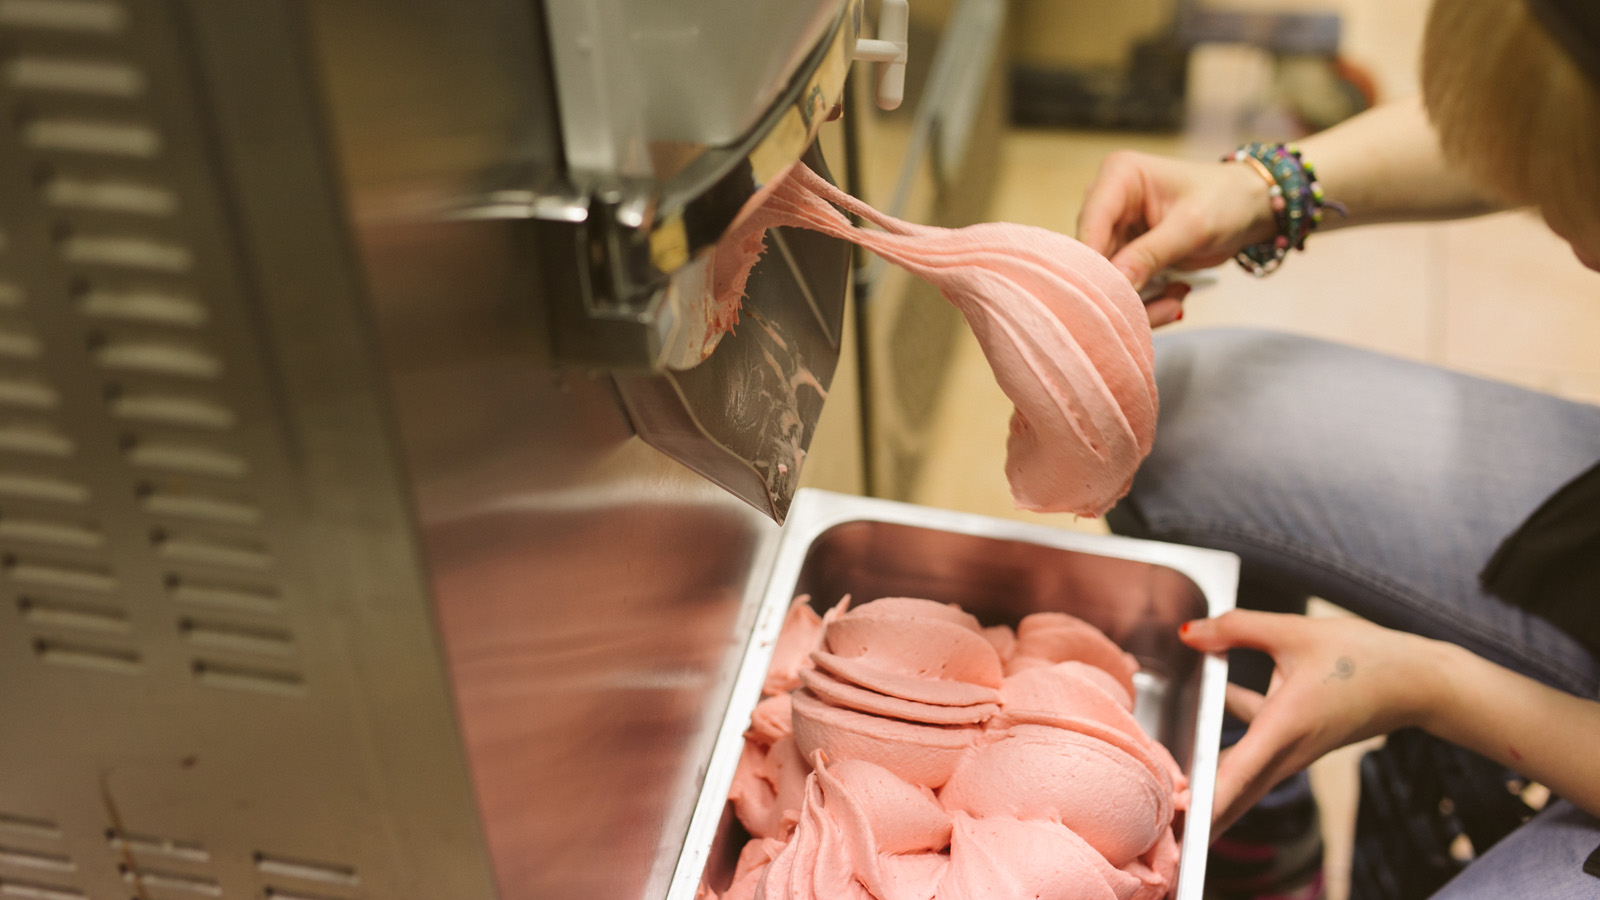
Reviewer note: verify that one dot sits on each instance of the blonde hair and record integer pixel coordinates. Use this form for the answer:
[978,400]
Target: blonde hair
[1512,108]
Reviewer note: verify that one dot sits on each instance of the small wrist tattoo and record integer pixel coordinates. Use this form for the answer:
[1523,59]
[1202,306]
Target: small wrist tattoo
[1343,669]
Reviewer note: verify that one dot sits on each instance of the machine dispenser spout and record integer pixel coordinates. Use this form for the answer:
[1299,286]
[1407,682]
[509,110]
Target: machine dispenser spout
[667,143]
[654,176]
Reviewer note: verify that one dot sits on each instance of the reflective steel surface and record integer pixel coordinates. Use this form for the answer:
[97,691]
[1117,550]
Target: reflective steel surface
[1138,592]
[592,595]
[639,78]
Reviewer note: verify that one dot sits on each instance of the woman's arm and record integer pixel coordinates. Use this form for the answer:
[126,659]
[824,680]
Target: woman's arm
[1385,165]
[1544,734]
[1339,681]
[1148,213]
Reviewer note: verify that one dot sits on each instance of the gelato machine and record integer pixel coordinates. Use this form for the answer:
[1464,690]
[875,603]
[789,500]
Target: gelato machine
[379,517]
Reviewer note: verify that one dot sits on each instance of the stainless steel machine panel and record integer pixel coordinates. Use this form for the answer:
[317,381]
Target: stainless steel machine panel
[319,579]
[217,662]
[645,87]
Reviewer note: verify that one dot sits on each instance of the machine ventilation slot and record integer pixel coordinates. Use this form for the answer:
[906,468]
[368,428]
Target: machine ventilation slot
[303,870]
[188,459]
[93,136]
[11,295]
[159,358]
[144,845]
[15,858]
[145,305]
[30,394]
[39,440]
[47,531]
[44,611]
[27,890]
[210,551]
[29,826]
[274,892]
[74,76]
[70,576]
[33,863]
[87,656]
[183,504]
[126,251]
[18,344]
[110,195]
[89,16]
[24,486]
[170,409]
[248,678]
[216,595]
[213,635]
[155,879]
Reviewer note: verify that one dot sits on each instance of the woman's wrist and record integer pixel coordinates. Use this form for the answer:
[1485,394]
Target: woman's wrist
[1297,200]
[1437,670]
[1260,220]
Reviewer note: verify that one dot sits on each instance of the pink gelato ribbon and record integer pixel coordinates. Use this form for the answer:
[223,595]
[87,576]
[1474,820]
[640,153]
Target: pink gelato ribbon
[1064,332]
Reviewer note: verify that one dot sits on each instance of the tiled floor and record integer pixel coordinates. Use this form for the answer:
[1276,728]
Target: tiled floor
[1498,296]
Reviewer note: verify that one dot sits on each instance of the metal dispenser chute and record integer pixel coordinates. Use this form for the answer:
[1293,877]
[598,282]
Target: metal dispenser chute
[673,133]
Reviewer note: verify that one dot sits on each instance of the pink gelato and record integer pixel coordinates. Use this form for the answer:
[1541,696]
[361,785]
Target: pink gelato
[1063,330]
[1052,637]
[802,629]
[1035,783]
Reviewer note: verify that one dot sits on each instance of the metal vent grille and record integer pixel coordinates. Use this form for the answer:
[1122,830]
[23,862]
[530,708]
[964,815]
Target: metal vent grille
[127,278]
[34,863]
[216,636]
[52,548]
[286,878]
[154,866]
[145,882]
[69,16]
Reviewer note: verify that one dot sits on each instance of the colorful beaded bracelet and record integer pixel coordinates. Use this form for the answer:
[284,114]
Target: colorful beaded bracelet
[1298,204]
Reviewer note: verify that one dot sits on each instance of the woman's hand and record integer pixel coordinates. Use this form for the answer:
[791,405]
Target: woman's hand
[1147,213]
[1337,681]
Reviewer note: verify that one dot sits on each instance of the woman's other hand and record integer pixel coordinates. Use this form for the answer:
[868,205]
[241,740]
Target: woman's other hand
[1148,213]
[1337,681]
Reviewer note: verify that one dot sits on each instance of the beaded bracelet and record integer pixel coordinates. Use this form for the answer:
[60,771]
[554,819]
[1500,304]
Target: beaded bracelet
[1298,204]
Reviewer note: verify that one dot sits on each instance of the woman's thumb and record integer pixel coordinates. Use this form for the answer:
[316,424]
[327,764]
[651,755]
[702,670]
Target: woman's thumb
[1153,251]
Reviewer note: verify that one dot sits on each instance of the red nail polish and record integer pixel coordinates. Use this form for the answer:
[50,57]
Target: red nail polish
[1179,316]
[1184,628]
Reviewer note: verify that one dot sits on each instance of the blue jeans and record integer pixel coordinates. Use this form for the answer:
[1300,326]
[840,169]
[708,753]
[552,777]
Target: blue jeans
[1378,484]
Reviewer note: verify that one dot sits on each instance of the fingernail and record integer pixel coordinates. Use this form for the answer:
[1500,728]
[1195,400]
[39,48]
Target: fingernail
[1184,628]
[1179,316]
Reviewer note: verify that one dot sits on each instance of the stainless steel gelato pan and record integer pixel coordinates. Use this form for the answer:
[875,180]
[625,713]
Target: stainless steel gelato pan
[1137,592]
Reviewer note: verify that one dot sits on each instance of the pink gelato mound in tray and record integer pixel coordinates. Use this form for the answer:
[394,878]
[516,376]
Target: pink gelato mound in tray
[902,751]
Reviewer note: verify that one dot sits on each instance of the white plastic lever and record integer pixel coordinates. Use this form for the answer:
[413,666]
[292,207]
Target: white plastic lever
[889,51]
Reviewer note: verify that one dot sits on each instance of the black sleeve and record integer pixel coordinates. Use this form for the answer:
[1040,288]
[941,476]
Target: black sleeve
[1550,565]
